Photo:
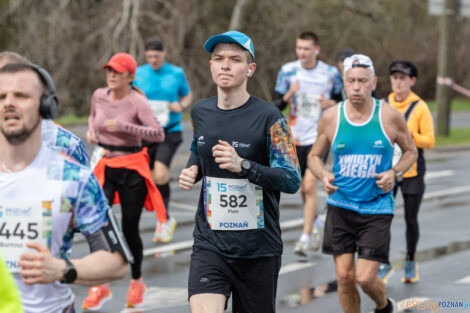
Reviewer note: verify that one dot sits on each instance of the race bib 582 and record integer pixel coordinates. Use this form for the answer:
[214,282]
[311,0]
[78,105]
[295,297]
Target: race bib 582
[233,204]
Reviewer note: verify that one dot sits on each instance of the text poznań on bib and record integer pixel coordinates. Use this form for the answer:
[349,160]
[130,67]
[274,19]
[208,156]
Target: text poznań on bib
[233,204]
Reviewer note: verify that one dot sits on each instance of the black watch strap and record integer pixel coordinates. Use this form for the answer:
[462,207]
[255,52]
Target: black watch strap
[70,273]
[245,168]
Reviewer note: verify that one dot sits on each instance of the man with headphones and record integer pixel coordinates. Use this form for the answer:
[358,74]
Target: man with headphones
[243,150]
[45,198]
[53,134]
[310,86]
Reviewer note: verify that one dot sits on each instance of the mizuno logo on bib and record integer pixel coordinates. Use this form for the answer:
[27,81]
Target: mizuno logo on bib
[233,204]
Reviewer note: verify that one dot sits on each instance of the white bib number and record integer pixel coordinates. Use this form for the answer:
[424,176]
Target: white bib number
[161,109]
[397,153]
[21,222]
[233,204]
[308,106]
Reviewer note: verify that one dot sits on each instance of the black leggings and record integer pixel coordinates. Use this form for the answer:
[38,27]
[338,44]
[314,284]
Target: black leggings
[132,192]
[412,190]
[412,204]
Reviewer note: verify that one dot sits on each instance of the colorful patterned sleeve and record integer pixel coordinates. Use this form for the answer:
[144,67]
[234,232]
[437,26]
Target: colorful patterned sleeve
[282,154]
[282,83]
[59,138]
[283,172]
[91,207]
[80,154]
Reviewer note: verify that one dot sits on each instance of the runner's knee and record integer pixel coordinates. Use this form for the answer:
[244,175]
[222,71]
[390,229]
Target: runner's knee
[309,188]
[365,280]
[160,174]
[345,277]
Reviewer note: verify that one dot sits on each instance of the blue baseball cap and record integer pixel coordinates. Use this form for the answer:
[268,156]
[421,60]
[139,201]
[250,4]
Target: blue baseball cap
[231,37]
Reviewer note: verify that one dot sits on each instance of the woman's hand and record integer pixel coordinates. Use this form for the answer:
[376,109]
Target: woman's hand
[92,137]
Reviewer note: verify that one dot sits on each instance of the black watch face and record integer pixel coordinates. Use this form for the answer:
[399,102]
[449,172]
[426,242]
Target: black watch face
[70,276]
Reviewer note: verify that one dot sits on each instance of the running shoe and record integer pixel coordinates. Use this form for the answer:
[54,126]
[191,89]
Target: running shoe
[301,248]
[394,307]
[97,296]
[316,238]
[164,231]
[411,272]
[135,294]
[385,272]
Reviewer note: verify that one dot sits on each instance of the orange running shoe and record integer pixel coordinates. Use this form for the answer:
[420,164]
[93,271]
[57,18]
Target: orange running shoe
[97,296]
[135,294]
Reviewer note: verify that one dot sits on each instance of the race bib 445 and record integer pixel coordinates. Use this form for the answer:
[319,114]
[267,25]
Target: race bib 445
[21,222]
[233,204]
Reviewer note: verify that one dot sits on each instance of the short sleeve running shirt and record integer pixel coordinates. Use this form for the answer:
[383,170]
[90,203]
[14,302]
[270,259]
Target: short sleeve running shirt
[70,199]
[305,111]
[58,137]
[360,151]
[259,133]
[163,86]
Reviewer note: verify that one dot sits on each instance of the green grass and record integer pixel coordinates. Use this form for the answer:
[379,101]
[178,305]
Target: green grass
[458,136]
[456,105]
[71,119]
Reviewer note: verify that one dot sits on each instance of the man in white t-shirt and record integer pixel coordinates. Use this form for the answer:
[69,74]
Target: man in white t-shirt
[53,134]
[309,85]
[45,197]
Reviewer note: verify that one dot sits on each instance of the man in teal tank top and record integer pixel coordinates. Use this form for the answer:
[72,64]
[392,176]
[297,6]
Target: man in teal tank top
[361,132]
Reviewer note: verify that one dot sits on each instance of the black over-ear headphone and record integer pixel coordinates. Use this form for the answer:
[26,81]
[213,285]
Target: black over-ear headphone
[48,106]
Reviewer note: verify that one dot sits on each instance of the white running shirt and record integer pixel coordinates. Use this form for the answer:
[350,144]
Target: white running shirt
[305,113]
[71,200]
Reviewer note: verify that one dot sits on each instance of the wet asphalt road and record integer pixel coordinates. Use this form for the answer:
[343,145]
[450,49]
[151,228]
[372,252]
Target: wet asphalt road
[443,250]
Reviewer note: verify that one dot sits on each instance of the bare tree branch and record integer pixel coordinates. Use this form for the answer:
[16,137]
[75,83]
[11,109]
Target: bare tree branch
[237,15]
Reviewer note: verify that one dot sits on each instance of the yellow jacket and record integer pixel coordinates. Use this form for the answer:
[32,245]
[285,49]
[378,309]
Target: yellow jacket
[9,296]
[421,126]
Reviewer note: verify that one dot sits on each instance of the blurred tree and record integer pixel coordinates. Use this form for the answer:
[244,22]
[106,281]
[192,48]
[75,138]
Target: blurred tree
[74,38]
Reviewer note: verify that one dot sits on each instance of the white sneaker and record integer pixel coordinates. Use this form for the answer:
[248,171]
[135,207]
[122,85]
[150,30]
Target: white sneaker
[316,238]
[164,231]
[301,248]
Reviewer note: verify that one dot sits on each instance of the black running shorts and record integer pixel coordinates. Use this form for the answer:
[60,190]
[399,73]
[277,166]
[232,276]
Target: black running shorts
[252,282]
[347,231]
[164,151]
[302,155]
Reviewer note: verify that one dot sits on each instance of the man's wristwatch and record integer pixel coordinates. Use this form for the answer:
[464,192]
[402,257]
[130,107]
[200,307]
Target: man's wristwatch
[398,175]
[70,273]
[245,166]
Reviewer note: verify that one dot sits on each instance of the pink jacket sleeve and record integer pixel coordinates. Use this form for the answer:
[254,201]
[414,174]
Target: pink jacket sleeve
[152,131]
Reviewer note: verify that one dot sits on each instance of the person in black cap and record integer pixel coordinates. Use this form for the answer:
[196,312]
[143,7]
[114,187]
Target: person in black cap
[403,75]
[168,92]
[243,151]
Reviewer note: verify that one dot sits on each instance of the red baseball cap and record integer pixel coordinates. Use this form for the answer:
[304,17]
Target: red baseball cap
[121,63]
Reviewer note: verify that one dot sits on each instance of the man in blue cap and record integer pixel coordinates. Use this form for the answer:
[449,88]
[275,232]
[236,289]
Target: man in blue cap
[243,151]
